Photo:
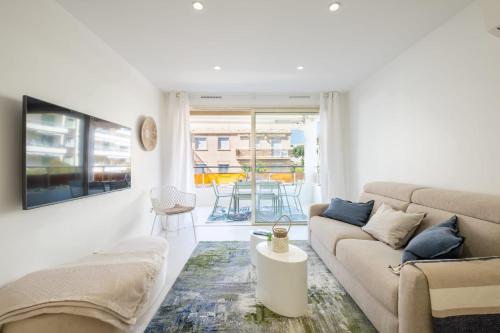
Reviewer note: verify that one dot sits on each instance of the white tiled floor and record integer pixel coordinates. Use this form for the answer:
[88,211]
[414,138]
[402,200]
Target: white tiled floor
[182,243]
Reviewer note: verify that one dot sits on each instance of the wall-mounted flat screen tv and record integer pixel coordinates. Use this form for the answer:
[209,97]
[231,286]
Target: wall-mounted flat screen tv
[69,155]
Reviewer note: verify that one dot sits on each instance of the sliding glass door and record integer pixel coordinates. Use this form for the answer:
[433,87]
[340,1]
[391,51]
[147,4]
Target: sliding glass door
[286,159]
[221,144]
[254,166]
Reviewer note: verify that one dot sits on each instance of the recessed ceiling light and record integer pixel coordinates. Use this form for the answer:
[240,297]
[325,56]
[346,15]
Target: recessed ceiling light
[300,68]
[334,6]
[198,5]
[217,68]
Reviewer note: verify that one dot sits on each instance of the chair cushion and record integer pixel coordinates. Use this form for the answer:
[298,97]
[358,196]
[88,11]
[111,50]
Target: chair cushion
[349,212]
[368,261]
[329,231]
[177,209]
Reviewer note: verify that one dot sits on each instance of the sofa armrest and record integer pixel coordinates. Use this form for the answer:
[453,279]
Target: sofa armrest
[418,278]
[317,209]
[414,303]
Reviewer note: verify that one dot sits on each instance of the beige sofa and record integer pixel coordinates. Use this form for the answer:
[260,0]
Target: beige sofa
[400,303]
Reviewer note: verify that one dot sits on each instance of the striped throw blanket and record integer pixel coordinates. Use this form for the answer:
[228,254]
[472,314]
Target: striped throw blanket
[465,294]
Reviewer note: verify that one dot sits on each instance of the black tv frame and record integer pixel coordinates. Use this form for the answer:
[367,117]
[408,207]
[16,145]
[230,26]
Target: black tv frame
[85,155]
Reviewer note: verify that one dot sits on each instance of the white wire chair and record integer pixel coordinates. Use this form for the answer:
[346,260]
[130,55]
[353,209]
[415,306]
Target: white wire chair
[168,201]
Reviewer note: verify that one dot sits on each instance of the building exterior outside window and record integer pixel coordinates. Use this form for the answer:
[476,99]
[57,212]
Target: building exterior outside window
[200,143]
[276,148]
[244,141]
[223,143]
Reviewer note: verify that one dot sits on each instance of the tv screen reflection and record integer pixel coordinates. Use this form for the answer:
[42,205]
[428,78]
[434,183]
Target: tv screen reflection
[109,158]
[68,155]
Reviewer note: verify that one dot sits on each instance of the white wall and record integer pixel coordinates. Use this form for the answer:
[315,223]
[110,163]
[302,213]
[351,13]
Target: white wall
[432,116]
[46,53]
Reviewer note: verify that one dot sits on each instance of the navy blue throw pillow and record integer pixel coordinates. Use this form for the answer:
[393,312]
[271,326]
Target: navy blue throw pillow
[349,212]
[441,241]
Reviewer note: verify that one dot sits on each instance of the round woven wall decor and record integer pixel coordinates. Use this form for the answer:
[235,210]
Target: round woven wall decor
[149,134]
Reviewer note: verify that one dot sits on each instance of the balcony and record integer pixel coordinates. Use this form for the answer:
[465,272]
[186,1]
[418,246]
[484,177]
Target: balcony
[225,197]
[246,154]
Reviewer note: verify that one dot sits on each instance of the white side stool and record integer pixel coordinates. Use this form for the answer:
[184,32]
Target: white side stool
[282,280]
[254,240]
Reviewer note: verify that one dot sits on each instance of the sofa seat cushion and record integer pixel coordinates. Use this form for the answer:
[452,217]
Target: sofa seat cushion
[368,262]
[329,232]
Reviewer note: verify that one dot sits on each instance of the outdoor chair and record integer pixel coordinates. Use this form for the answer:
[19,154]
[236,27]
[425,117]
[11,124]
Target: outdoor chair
[293,195]
[219,195]
[242,191]
[268,191]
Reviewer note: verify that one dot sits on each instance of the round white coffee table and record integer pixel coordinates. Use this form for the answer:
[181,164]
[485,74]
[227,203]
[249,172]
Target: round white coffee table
[254,240]
[282,280]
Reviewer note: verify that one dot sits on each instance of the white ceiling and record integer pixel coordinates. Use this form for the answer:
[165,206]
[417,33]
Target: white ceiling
[259,43]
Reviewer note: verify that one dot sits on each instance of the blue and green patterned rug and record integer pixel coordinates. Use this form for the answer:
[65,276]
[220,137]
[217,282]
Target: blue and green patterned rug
[215,292]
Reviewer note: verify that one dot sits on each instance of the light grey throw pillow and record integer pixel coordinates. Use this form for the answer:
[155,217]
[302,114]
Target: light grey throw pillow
[393,227]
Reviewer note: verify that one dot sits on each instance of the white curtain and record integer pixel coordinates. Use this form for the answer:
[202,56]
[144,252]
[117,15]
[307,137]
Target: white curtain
[332,159]
[177,156]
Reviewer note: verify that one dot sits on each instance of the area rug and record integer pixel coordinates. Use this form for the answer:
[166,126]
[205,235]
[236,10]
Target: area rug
[215,292]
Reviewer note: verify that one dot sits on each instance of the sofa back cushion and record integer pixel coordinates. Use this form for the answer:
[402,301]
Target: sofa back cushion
[379,200]
[480,206]
[396,195]
[478,217]
[398,191]
[478,214]
[482,238]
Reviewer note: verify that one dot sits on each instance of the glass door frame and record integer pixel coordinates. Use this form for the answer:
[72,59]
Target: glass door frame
[269,111]
[253,113]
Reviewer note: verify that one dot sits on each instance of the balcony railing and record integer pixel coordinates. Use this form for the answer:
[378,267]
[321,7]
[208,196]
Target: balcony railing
[205,175]
[264,153]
